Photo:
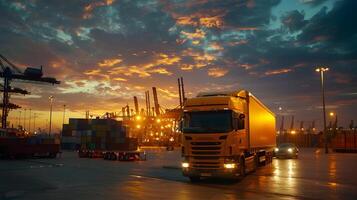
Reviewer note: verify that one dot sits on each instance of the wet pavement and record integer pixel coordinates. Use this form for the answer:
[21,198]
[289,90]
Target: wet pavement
[313,176]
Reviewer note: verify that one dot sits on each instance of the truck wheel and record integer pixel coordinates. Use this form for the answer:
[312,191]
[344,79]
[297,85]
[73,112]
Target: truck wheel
[53,155]
[256,163]
[194,179]
[241,168]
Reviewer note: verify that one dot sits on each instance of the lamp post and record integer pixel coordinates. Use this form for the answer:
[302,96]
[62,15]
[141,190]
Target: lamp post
[34,122]
[24,120]
[64,115]
[321,70]
[19,120]
[334,122]
[51,98]
[30,121]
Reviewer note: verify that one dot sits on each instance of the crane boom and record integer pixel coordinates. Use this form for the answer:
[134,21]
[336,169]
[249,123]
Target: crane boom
[12,72]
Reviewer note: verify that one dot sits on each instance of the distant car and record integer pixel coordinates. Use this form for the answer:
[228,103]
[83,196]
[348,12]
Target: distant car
[286,150]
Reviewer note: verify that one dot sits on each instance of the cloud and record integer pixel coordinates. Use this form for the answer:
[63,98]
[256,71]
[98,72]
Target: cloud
[278,71]
[198,34]
[217,72]
[109,62]
[112,50]
[294,20]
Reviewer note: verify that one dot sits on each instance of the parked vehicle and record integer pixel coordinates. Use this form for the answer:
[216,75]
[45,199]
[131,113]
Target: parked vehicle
[226,134]
[286,150]
[16,144]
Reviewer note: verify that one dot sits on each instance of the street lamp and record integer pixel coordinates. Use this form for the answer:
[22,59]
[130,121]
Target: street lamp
[321,70]
[334,117]
[51,98]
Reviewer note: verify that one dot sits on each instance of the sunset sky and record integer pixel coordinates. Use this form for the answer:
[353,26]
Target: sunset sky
[105,52]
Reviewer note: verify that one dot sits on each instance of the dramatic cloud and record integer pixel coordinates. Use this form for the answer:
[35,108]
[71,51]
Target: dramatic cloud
[107,51]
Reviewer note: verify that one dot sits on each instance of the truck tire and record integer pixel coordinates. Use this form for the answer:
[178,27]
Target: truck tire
[52,155]
[256,163]
[194,179]
[241,167]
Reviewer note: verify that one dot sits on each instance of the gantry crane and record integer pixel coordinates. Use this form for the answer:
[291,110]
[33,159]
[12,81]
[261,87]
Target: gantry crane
[12,72]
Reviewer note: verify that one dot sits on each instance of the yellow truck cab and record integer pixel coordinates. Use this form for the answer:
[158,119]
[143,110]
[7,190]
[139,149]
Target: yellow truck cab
[226,134]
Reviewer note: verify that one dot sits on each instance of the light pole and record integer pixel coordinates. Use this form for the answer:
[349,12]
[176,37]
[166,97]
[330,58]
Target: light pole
[30,121]
[64,114]
[321,70]
[25,119]
[51,98]
[34,122]
[334,117]
[19,119]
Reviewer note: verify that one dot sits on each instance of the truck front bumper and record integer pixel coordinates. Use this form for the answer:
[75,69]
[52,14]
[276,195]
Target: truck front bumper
[216,173]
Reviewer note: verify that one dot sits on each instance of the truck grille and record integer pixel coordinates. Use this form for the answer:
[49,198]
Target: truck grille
[205,143]
[206,152]
[205,155]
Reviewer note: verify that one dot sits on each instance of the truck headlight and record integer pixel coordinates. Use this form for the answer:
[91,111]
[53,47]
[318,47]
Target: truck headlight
[290,150]
[229,165]
[276,149]
[185,164]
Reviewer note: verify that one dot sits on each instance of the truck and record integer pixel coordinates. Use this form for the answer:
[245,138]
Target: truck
[226,135]
[16,144]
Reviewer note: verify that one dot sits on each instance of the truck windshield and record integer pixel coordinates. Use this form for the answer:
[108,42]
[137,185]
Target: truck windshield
[208,122]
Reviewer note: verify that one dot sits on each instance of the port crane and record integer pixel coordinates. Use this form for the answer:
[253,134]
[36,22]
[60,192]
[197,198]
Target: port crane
[11,72]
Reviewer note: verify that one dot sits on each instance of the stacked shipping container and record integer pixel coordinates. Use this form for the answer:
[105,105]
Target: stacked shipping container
[99,134]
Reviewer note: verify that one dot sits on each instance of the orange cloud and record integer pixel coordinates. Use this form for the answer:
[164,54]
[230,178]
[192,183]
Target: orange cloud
[186,20]
[201,59]
[164,59]
[109,62]
[217,72]
[195,42]
[58,63]
[247,66]
[96,73]
[198,34]
[278,71]
[120,79]
[93,72]
[161,71]
[168,94]
[211,22]
[216,46]
[187,67]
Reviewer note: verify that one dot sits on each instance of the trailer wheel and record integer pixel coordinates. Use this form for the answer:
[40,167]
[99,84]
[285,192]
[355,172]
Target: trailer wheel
[106,156]
[194,179]
[115,157]
[52,155]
